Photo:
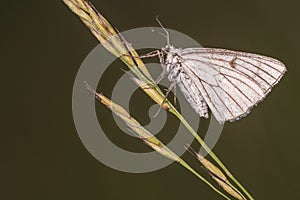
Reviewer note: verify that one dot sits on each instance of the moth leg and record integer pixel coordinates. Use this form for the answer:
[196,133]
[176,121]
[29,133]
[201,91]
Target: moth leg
[151,54]
[175,96]
[148,55]
[128,46]
[126,54]
[172,87]
[174,92]
[132,77]
[173,84]
[160,77]
[163,73]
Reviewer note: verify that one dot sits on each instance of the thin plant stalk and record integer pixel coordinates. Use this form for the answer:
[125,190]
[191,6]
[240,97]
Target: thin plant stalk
[108,37]
[217,174]
[212,154]
[148,138]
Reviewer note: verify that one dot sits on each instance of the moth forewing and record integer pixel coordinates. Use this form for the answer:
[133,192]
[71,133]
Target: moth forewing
[229,82]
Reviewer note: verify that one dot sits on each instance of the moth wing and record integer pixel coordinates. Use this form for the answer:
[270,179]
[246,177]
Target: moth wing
[231,82]
[192,95]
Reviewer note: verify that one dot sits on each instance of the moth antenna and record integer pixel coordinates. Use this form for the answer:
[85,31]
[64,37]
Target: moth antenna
[167,33]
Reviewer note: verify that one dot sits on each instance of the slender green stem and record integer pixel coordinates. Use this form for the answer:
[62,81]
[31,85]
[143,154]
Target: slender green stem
[211,153]
[174,111]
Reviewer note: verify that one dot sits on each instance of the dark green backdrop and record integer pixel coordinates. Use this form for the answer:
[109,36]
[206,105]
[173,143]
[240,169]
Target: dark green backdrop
[43,45]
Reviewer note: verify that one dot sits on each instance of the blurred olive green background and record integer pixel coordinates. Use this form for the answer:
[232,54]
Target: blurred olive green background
[43,45]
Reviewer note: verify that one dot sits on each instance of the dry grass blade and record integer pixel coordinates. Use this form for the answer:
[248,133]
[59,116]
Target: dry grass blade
[211,168]
[107,35]
[228,188]
[150,92]
[109,38]
[216,174]
[134,125]
[146,136]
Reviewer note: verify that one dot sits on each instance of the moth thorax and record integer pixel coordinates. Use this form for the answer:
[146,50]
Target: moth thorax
[174,71]
[171,61]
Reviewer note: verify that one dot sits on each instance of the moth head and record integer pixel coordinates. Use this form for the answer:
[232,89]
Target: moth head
[168,49]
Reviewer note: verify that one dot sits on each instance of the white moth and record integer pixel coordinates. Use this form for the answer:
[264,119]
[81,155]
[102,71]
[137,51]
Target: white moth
[230,83]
